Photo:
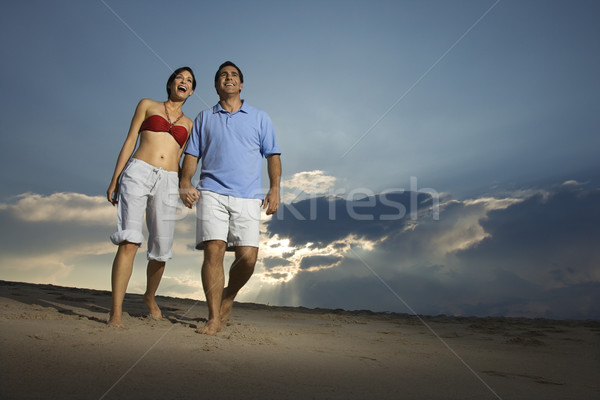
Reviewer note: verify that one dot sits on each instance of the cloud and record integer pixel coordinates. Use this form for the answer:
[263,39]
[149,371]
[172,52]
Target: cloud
[270,262]
[326,219]
[69,224]
[50,239]
[425,293]
[508,255]
[36,269]
[549,238]
[527,253]
[310,182]
[305,184]
[314,263]
[63,239]
[61,207]
[63,223]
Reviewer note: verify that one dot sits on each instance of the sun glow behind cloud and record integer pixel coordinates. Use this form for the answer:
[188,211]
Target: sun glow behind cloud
[282,261]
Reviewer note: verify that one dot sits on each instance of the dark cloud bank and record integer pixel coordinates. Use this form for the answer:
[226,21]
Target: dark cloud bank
[539,257]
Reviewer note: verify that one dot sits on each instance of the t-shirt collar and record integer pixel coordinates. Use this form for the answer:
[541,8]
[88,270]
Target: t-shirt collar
[218,108]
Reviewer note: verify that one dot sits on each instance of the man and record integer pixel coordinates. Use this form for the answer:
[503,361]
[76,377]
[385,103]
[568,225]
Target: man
[231,138]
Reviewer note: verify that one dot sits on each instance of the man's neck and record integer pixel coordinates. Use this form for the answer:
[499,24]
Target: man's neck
[231,104]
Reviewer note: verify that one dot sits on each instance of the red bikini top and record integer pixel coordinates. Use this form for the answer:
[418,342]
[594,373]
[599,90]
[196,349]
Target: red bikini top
[158,123]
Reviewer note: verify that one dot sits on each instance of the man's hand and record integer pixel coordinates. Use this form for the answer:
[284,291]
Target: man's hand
[188,194]
[271,203]
[273,198]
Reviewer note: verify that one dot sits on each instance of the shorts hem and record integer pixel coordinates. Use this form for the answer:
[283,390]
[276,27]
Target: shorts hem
[160,259]
[230,246]
[243,245]
[200,244]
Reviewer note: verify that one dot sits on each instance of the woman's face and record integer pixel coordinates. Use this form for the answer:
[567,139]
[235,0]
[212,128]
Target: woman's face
[181,86]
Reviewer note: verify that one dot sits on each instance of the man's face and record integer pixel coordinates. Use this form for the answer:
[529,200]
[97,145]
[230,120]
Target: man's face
[228,81]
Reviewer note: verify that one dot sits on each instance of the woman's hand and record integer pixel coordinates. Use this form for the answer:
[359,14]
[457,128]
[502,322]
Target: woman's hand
[111,194]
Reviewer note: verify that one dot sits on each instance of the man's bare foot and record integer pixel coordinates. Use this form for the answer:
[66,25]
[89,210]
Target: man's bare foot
[153,307]
[115,321]
[226,308]
[210,328]
[226,305]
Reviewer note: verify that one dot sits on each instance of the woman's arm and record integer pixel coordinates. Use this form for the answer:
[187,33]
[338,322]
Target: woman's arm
[128,148]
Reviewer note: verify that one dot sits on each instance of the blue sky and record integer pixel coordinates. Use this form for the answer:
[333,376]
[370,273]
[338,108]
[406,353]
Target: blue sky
[488,108]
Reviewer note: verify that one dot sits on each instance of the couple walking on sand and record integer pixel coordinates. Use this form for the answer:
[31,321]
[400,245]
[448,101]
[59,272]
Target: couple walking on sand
[231,139]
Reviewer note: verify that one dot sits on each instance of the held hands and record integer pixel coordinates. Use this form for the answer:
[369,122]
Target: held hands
[188,194]
[271,203]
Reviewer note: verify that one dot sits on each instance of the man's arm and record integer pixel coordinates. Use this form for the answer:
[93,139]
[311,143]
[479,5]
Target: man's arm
[272,198]
[187,192]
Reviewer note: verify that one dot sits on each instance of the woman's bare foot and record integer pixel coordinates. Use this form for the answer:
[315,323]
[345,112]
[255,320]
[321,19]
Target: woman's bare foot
[210,328]
[152,307]
[115,321]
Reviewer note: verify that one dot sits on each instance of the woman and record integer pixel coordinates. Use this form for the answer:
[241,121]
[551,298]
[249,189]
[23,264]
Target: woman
[147,182]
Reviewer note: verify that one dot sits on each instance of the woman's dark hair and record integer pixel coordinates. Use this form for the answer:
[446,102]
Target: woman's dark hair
[177,72]
[229,64]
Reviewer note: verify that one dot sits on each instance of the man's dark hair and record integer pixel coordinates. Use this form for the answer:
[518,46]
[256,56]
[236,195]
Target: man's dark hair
[174,75]
[229,64]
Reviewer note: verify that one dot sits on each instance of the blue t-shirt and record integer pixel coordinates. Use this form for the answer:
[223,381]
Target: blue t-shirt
[231,147]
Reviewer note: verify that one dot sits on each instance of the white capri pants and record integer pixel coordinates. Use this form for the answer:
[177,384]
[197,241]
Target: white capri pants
[144,188]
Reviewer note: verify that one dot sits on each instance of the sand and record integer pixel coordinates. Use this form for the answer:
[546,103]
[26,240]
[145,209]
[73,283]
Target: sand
[55,344]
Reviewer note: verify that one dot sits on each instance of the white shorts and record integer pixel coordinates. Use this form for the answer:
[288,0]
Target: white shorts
[230,219]
[155,191]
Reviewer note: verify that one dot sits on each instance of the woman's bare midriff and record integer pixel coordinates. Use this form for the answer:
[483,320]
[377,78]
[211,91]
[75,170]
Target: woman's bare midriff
[158,149]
